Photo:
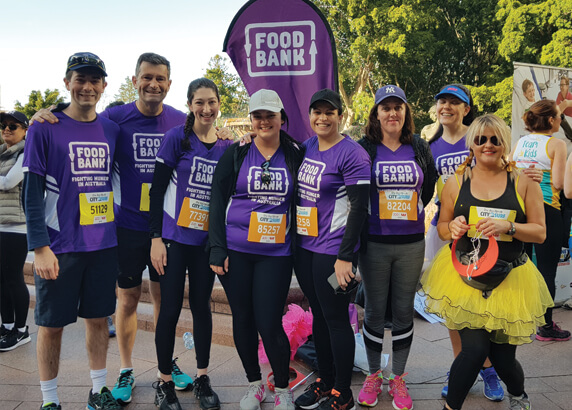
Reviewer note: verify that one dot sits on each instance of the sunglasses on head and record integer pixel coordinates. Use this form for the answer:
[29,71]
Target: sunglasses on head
[11,127]
[266,176]
[483,139]
[85,59]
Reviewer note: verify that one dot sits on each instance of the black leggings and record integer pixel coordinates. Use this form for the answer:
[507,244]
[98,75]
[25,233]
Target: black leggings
[14,295]
[476,348]
[332,331]
[180,259]
[256,287]
[548,253]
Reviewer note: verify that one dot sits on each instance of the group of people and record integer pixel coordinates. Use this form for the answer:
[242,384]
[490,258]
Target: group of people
[142,185]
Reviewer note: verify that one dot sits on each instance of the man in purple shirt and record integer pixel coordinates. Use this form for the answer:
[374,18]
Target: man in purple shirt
[142,124]
[68,200]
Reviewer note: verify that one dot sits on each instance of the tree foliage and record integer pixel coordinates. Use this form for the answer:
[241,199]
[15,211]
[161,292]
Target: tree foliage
[422,45]
[233,95]
[127,91]
[37,101]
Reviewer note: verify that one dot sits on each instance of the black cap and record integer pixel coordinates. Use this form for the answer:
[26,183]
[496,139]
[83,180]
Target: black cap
[16,116]
[84,60]
[329,96]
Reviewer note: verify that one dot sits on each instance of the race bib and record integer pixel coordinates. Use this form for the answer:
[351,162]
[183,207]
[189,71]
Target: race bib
[194,214]
[441,184]
[398,204]
[144,202]
[307,220]
[476,213]
[267,228]
[95,208]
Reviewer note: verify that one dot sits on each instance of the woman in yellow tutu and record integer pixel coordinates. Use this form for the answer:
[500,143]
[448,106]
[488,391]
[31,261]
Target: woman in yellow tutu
[499,310]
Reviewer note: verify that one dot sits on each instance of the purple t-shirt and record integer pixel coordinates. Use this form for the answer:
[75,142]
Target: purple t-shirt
[186,204]
[75,158]
[134,163]
[448,157]
[258,214]
[322,180]
[395,202]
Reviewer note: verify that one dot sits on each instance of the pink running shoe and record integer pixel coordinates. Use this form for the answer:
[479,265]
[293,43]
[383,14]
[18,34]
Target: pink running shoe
[398,390]
[371,389]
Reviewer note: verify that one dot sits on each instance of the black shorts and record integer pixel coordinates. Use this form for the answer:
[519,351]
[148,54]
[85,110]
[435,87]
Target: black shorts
[85,287]
[134,248]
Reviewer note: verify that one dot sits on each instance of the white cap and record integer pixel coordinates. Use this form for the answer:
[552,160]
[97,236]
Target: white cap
[265,100]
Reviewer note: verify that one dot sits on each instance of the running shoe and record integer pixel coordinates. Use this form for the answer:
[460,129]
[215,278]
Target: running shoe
[51,406]
[337,402]
[123,388]
[110,327]
[255,395]
[3,332]
[314,394]
[398,390]
[14,338]
[182,380]
[552,333]
[208,399]
[102,401]
[519,402]
[492,388]
[371,389]
[165,396]
[283,399]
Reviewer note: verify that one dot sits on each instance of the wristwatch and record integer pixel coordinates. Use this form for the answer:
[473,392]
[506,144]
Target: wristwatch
[512,229]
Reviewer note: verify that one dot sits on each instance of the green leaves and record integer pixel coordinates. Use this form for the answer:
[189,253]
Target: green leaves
[37,101]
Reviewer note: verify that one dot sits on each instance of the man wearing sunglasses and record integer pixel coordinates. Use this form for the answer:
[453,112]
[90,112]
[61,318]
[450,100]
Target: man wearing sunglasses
[143,124]
[68,200]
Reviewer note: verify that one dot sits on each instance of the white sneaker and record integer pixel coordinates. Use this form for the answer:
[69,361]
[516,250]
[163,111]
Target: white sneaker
[283,399]
[255,395]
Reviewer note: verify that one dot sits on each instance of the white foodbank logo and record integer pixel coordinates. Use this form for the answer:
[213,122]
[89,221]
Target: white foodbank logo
[281,48]
[89,157]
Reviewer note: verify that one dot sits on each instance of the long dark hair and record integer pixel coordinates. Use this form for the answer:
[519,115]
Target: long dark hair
[190,122]
[467,119]
[374,133]
[537,118]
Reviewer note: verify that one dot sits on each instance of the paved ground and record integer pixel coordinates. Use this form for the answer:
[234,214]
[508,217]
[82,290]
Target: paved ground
[548,367]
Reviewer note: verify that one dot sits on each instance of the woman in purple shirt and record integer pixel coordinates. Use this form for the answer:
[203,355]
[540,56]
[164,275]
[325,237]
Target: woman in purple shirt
[333,190]
[402,184]
[250,239]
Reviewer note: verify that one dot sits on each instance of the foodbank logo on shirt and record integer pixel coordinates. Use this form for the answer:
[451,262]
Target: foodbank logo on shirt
[202,172]
[145,146]
[89,158]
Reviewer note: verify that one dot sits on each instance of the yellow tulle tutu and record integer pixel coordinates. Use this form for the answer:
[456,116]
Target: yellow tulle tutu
[511,313]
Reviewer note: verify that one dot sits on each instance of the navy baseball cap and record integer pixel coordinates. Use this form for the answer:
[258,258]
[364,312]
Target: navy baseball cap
[389,91]
[328,96]
[16,116]
[84,60]
[455,91]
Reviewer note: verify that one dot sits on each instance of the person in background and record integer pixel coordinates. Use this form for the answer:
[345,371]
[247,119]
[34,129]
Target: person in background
[14,295]
[333,195]
[499,310]
[251,237]
[541,151]
[564,98]
[392,254]
[180,196]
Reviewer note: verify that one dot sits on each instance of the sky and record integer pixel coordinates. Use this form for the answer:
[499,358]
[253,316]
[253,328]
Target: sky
[37,39]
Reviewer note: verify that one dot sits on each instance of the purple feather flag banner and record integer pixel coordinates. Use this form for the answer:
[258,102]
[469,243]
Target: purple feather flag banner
[286,46]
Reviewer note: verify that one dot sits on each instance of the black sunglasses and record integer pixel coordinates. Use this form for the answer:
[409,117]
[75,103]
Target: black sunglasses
[562,117]
[266,176]
[11,127]
[483,139]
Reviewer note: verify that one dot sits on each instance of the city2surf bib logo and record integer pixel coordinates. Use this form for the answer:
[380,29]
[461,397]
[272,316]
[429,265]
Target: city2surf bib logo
[281,48]
[447,164]
[396,174]
[145,146]
[89,158]
[202,172]
[310,174]
[277,184]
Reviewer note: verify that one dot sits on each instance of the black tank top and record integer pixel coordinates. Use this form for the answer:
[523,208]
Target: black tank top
[508,251]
